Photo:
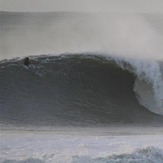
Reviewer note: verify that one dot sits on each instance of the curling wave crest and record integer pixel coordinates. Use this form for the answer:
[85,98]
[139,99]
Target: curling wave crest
[149,82]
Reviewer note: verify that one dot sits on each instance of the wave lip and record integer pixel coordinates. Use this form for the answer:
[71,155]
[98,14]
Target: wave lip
[148,85]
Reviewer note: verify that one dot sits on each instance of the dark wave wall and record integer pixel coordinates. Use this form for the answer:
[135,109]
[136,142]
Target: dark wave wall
[69,90]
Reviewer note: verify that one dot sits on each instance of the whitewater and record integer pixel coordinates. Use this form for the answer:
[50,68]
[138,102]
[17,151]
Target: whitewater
[92,93]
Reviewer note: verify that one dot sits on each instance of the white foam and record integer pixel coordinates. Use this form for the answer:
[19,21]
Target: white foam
[149,154]
[149,82]
[33,147]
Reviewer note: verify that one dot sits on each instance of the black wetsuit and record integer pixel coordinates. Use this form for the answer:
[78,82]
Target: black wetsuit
[26,61]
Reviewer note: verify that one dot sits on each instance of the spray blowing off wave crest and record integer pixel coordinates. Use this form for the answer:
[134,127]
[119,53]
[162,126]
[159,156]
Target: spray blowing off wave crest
[59,32]
[149,82]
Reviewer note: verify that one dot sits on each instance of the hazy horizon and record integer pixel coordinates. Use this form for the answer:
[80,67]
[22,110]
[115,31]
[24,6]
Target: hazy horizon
[115,6]
[113,26]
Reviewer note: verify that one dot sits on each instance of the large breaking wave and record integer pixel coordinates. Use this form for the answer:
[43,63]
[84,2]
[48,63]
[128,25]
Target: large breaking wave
[80,89]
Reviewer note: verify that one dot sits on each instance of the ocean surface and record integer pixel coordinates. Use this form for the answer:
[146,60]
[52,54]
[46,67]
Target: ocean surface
[93,91]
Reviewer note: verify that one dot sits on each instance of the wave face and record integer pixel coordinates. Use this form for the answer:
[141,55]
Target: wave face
[80,89]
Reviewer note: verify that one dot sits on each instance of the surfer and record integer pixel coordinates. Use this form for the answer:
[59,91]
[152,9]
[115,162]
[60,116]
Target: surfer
[26,61]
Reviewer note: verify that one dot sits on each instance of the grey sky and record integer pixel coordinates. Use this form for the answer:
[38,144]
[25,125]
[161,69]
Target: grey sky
[131,6]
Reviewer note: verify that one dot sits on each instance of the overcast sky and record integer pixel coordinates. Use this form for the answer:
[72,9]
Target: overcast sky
[140,6]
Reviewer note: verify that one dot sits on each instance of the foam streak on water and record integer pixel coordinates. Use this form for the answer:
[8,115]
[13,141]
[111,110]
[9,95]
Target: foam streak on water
[45,147]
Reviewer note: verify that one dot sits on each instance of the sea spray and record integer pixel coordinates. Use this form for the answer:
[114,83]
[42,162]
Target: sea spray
[149,82]
[25,34]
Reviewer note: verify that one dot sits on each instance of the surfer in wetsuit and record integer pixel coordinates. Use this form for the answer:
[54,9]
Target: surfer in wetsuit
[26,61]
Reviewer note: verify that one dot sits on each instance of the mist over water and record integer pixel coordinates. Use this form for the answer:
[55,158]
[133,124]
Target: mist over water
[24,34]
